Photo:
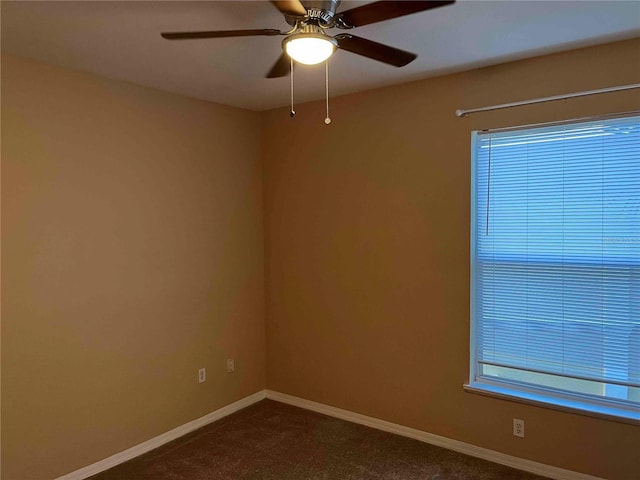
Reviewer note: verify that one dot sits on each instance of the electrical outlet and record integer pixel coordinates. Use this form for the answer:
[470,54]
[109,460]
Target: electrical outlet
[518,427]
[202,375]
[231,367]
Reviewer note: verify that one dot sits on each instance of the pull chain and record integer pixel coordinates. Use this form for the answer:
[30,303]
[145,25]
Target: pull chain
[327,119]
[292,113]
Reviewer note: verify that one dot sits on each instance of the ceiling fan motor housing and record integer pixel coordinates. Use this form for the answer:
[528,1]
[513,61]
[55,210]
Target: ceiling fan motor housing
[310,30]
[320,12]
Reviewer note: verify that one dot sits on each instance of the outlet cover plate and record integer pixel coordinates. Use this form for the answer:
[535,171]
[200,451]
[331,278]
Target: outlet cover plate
[518,427]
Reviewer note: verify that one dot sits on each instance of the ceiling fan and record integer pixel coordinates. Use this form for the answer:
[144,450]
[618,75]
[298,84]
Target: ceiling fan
[306,42]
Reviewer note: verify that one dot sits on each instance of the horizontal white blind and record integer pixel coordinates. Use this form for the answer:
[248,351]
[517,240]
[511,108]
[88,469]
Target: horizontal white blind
[557,254]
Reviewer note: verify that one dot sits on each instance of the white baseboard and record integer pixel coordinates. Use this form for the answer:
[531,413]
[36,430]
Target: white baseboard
[166,437]
[455,445]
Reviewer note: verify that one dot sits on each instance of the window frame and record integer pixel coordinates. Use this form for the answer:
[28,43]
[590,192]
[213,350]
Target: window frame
[602,407]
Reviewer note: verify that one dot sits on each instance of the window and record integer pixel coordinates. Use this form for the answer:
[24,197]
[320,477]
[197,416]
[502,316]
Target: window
[555,283]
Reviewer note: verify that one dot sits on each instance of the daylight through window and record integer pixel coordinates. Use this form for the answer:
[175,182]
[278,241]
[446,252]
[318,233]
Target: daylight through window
[556,263]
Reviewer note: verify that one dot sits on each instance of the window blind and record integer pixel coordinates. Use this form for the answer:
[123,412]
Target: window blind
[556,257]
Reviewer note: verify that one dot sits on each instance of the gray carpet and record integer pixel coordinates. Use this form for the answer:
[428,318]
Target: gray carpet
[274,441]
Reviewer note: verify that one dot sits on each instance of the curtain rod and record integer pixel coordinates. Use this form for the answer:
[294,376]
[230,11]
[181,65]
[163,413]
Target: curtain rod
[464,113]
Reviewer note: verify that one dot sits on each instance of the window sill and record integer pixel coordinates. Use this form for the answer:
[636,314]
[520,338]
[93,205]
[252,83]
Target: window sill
[547,401]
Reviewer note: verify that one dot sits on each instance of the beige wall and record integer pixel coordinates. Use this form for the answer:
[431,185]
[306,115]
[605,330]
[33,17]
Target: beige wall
[132,256]
[367,254]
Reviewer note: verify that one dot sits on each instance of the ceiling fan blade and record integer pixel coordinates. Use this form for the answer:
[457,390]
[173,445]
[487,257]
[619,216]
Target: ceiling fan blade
[218,34]
[281,68]
[376,51]
[290,7]
[386,10]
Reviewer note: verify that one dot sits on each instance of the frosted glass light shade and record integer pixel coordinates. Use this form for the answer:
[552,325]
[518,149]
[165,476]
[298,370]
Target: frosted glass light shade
[309,49]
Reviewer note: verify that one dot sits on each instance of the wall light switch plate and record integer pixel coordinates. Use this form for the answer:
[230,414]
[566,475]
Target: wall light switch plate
[231,366]
[202,375]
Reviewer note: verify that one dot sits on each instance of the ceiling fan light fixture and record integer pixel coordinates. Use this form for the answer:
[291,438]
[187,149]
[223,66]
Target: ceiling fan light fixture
[309,48]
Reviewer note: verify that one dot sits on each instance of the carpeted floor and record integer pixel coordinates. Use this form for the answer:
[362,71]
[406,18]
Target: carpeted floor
[274,441]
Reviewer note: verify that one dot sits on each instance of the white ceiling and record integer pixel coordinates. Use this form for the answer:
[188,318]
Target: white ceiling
[121,40]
